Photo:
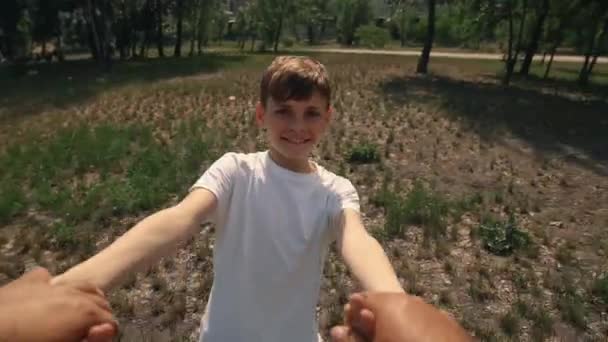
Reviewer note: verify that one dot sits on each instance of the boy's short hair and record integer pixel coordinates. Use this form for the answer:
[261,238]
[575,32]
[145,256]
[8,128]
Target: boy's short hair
[294,78]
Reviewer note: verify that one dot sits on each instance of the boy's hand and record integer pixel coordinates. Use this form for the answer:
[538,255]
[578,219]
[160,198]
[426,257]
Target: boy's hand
[33,310]
[389,317]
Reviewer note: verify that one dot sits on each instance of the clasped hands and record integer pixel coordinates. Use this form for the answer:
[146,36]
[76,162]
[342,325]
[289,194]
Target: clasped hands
[35,310]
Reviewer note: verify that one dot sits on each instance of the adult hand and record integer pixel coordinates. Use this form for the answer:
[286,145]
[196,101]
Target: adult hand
[33,310]
[395,317]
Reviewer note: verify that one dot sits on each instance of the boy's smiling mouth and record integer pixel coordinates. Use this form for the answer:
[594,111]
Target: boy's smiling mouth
[296,141]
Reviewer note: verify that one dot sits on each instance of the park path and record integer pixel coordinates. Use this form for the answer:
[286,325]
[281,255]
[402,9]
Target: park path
[444,54]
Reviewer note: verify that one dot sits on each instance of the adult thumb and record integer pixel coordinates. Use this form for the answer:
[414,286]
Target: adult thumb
[38,274]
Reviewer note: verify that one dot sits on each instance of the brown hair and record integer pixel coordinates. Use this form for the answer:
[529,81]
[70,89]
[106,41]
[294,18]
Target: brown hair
[294,78]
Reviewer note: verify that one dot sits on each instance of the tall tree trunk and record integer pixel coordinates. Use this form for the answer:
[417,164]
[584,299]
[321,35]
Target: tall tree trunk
[279,29]
[534,40]
[550,63]
[97,53]
[602,42]
[423,62]
[522,26]
[178,29]
[310,33]
[159,28]
[194,22]
[583,76]
[509,65]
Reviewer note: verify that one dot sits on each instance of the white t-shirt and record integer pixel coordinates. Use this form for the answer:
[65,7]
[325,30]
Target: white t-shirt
[273,228]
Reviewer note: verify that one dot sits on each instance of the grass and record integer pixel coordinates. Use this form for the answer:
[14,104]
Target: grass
[97,173]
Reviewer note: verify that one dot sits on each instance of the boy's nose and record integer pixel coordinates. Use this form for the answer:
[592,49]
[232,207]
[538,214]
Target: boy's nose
[297,125]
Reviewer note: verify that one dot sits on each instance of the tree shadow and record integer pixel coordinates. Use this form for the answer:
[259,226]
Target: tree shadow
[31,89]
[575,127]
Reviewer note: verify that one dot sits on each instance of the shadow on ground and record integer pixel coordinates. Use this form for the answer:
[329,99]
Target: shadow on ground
[31,89]
[573,126]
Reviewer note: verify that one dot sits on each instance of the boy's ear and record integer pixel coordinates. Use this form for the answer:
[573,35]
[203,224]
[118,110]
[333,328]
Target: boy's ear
[260,112]
[330,113]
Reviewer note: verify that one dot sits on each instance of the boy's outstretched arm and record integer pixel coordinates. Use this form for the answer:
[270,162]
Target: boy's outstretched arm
[364,256]
[146,243]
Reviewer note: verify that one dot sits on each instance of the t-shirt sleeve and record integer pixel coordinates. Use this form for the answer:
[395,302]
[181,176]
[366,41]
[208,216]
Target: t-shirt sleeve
[347,196]
[219,177]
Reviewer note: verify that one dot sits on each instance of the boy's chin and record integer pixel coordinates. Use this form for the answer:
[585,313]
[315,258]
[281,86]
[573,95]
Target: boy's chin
[295,152]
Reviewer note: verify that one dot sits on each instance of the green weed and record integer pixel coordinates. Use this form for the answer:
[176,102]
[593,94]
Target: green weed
[509,323]
[600,289]
[65,235]
[573,310]
[364,153]
[502,238]
[12,201]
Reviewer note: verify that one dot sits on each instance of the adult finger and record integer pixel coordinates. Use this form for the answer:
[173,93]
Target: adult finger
[86,287]
[365,323]
[345,334]
[102,333]
[346,314]
[101,303]
[38,274]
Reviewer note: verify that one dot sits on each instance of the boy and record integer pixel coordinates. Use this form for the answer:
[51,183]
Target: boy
[275,213]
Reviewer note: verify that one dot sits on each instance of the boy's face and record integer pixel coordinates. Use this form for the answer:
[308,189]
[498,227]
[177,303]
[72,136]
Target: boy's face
[294,127]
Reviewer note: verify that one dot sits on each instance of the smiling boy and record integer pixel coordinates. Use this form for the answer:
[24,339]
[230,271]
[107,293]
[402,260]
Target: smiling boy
[276,212]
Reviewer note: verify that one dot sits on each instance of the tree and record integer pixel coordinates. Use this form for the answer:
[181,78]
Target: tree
[179,13]
[595,32]
[271,14]
[160,41]
[351,15]
[541,16]
[423,61]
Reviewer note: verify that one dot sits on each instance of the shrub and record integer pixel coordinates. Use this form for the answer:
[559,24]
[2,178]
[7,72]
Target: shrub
[64,235]
[372,36]
[600,289]
[12,201]
[509,323]
[502,238]
[364,153]
[287,42]
[420,207]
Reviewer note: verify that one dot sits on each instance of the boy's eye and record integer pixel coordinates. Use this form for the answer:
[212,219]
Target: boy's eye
[313,114]
[282,111]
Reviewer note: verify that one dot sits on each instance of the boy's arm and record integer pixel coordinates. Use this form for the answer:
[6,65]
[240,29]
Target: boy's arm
[364,256]
[146,243]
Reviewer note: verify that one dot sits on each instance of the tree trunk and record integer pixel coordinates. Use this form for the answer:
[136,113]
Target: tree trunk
[93,29]
[602,42]
[509,58]
[542,61]
[159,28]
[423,62]
[583,76]
[550,63]
[522,26]
[277,34]
[536,35]
[310,33]
[178,39]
